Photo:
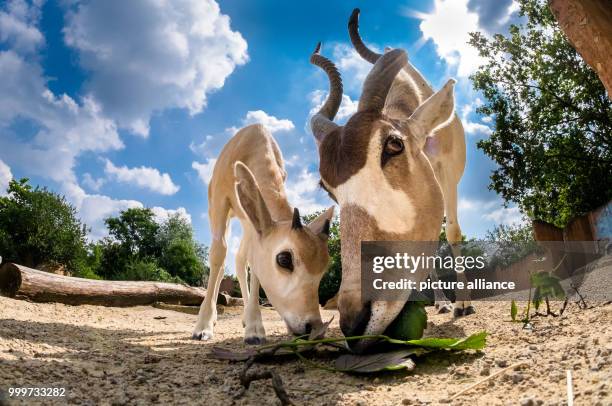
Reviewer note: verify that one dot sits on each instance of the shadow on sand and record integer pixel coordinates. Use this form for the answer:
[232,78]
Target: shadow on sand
[107,366]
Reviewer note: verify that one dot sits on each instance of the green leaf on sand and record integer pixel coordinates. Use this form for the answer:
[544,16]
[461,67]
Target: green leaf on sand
[474,342]
[386,361]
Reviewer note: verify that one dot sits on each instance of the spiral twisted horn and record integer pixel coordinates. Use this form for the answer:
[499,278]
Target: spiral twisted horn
[361,48]
[322,122]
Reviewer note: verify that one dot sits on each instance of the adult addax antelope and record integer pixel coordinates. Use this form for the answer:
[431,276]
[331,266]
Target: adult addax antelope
[377,168]
[286,257]
[445,149]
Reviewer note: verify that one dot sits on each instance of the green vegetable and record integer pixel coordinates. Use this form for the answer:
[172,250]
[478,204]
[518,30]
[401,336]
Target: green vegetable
[410,323]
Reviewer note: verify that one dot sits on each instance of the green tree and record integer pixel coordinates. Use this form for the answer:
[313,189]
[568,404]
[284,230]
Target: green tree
[136,231]
[39,227]
[181,255]
[146,270]
[511,233]
[132,237]
[553,119]
[139,248]
[511,243]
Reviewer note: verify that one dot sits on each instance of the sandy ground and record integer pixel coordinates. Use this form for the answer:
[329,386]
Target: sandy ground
[143,355]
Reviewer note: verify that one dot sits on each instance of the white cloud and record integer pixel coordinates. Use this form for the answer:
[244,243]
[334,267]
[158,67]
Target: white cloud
[213,143]
[144,177]
[304,191]
[348,107]
[91,183]
[493,16]
[466,204]
[146,56]
[162,214]
[353,67]
[293,161]
[449,23]
[270,122]
[491,210]
[134,69]
[5,177]
[235,236]
[505,215]
[18,28]
[205,170]
[203,147]
[473,128]
[61,127]
[93,209]
[64,127]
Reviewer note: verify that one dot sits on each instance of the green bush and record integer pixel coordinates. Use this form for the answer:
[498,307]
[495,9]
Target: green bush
[146,270]
[39,227]
[135,238]
[182,261]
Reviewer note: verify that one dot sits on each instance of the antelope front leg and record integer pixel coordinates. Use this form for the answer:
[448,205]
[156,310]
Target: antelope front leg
[463,305]
[208,310]
[241,273]
[254,332]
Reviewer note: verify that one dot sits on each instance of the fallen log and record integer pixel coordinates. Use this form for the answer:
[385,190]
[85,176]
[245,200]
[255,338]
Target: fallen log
[18,281]
[226,300]
[194,310]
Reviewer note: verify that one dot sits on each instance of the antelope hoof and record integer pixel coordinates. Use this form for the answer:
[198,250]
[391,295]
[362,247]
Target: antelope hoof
[254,340]
[460,312]
[446,308]
[201,336]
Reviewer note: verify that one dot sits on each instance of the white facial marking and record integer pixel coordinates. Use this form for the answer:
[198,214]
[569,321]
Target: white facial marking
[366,188]
[382,315]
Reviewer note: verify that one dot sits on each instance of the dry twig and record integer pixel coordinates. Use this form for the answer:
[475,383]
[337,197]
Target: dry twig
[501,371]
[246,376]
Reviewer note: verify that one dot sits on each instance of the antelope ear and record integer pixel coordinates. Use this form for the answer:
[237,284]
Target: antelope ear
[320,225]
[433,112]
[250,199]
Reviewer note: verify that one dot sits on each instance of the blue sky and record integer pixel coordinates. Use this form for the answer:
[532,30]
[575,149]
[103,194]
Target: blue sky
[125,104]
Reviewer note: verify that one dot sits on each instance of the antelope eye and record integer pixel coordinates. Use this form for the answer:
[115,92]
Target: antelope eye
[394,146]
[285,260]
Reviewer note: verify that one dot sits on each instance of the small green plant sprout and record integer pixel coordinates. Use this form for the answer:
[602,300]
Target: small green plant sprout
[544,286]
[513,310]
[547,287]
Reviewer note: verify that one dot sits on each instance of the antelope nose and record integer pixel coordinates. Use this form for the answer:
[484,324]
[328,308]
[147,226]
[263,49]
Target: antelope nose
[308,328]
[354,323]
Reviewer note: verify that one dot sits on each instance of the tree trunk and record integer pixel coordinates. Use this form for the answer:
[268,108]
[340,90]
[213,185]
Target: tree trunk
[588,26]
[22,282]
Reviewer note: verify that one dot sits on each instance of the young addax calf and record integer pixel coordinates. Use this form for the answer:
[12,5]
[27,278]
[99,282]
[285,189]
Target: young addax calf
[286,257]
